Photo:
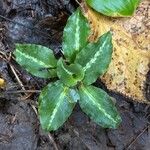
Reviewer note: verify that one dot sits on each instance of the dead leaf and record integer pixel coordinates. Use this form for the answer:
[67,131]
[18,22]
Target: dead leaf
[131,55]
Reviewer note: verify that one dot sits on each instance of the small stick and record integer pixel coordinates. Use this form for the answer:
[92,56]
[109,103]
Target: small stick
[137,137]
[80,4]
[53,142]
[22,91]
[22,86]
[77,2]
[18,80]
[34,108]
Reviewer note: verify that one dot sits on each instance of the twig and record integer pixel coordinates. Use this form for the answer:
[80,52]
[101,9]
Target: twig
[80,4]
[22,86]
[2,53]
[137,138]
[22,91]
[18,80]
[53,142]
[77,2]
[34,108]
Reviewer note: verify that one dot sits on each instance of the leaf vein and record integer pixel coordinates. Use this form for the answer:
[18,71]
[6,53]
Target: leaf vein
[34,59]
[57,106]
[77,35]
[99,106]
[97,54]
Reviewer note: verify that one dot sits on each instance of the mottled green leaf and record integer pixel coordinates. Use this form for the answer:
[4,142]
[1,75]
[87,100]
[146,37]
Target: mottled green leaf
[56,103]
[36,59]
[74,95]
[99,106]
[115,8]
[95,58]
[75,35]
[70,75]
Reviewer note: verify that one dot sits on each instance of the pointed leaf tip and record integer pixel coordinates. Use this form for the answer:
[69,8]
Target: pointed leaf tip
[99,106]
[56,103]
[75,35]
[36,59]
[95,58]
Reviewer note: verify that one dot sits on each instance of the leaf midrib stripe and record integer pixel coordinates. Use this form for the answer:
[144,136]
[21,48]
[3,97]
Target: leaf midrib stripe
[97,104]
[97,54]
[77,35]
[61,98]
[34,59]
[70,73]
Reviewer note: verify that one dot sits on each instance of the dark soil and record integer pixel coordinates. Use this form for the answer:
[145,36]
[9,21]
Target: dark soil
[42,22]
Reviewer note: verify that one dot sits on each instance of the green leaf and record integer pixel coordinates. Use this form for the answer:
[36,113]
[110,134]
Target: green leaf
[36,59]
[74,95]
[95,58]
[70,75]
[99,106]
[114,8]
[75,35]
[56,103]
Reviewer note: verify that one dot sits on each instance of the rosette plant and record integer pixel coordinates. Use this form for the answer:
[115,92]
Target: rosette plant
[75,72]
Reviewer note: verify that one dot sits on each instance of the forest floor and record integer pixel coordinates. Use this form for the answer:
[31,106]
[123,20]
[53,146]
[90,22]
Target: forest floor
[42,22]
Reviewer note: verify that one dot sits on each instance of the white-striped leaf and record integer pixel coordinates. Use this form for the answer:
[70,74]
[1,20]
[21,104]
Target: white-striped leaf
[56,103]
[95,58]
[115,8]
[36,59]
[75,35]
[99,107]
[70,75]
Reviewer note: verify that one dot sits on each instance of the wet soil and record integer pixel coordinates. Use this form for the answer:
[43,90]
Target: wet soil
[42,22]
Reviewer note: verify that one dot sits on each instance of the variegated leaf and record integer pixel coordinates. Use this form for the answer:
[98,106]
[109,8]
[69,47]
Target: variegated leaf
[56,103]
[95,58]
[99,106]
[70,75]
[75,35]
[36,59]
[115,8]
